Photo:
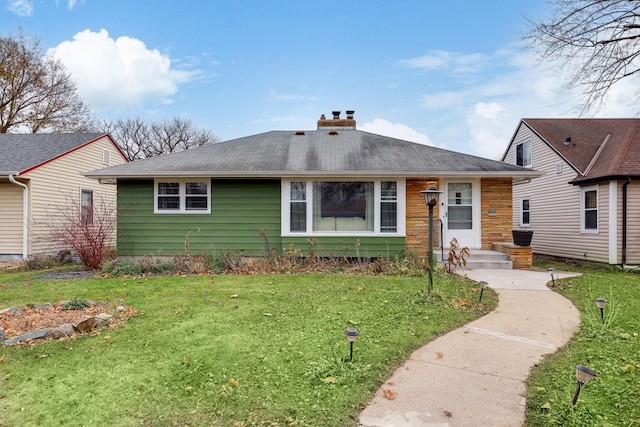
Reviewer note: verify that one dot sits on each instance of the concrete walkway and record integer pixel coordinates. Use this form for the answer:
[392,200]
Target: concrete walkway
[474,375]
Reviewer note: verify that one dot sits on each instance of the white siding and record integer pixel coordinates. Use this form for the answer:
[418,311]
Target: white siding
[555,206]
[633,222]
[10,219]
[54,184]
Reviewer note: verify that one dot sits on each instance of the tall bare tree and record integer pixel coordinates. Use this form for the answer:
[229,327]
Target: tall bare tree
[36,93]
[139,139]
[598,41]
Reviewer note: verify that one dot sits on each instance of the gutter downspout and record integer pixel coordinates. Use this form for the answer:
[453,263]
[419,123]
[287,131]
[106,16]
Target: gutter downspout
[25,217]
[624,221]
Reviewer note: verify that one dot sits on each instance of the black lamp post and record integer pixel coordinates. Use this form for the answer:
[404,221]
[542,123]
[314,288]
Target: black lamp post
[351,333]
[583,375]
[601,303]
[431,195]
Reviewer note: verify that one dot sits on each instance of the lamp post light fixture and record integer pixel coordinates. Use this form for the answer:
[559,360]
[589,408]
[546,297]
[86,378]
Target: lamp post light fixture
[483,285]
[601,303]
[431,195]
[583,376]
[351,333]
[552,270]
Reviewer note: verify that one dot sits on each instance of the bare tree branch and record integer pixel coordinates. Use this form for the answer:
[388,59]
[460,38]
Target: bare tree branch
[36,94]
[139,139]
[597,40]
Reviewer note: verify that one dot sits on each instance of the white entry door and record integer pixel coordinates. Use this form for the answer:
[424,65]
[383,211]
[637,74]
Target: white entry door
[461,213]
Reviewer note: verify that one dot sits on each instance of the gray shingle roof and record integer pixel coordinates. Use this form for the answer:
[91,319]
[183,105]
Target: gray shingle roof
[19,152]
[314,153]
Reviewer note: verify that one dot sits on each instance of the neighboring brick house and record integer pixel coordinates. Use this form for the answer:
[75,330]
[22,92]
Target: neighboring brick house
[38,175]
[586,204]
[336,189]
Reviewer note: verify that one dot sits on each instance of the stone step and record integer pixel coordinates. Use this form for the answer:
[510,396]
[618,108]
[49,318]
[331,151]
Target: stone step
[479,259]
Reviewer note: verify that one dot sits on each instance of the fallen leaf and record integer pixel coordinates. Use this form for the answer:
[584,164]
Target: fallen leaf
[3,358]
[389,394]
[439,355]
[234,382]
[546,406]
[447,413]
[390,382]
[329,380]
[107,337]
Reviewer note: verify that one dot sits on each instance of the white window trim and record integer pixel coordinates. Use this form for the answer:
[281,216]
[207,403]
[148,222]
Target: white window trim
[106,157]
[521,211]
[515,153]
[583,190]
[400,200]
[93,201]
[182,195]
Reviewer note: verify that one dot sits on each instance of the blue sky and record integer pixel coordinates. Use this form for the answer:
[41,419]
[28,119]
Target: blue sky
[448,73]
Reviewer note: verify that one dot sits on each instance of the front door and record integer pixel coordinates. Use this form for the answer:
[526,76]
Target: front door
[460,215]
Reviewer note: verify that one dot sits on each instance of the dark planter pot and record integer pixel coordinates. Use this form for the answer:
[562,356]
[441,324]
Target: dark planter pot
[522,237]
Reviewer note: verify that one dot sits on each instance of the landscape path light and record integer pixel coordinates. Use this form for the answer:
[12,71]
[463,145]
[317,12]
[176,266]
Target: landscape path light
[351,333]
[431,195]
[601,303]
[583,376]
[552,270]
[483,285]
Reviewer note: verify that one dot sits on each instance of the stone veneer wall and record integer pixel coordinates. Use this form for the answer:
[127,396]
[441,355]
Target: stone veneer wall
[497,211]
[418,218]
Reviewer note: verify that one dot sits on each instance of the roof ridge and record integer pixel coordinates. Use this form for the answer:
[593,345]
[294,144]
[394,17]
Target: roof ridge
[595,157]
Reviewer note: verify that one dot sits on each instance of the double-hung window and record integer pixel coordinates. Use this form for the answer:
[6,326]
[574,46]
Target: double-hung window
[182,196]
[86,207]
[351,207]
[523,153]
[589,211]
[525,213]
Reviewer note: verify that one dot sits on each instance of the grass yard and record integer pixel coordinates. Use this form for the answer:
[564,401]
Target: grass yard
[611,349]
[233,350]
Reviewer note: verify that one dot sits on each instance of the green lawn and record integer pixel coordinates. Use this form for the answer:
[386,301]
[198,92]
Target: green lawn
[611,349]
[229,350]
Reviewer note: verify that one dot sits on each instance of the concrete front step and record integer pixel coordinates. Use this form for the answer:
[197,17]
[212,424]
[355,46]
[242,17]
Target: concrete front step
[479,259]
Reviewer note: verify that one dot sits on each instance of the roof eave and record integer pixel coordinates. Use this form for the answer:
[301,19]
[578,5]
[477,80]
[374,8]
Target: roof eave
[291,174]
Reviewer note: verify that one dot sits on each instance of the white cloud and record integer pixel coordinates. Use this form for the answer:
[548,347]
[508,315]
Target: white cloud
[274,96]
[118,74]
[21,7]
[444,60]
[490,128]
[395,130]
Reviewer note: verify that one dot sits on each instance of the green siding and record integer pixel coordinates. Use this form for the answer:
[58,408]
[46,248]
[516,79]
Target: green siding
[368,247]
[239,208]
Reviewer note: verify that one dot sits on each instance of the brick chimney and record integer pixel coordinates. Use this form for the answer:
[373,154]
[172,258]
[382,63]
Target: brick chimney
[336,122]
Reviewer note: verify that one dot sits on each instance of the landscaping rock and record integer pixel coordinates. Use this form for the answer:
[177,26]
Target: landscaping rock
[104,316]
[1,336]
[9,310]
[27,337]
[85,325]
[64,330]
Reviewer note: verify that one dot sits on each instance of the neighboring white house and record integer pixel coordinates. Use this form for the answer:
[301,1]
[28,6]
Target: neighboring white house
[586,205]
[41,173]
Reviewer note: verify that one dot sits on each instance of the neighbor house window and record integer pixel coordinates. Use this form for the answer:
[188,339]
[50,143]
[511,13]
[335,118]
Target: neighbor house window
[326,207]
[525,213]
[590,209]
[523,154]
[182,196]
[86,207]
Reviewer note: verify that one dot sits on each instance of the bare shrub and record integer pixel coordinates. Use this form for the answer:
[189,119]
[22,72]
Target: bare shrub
[87,231]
